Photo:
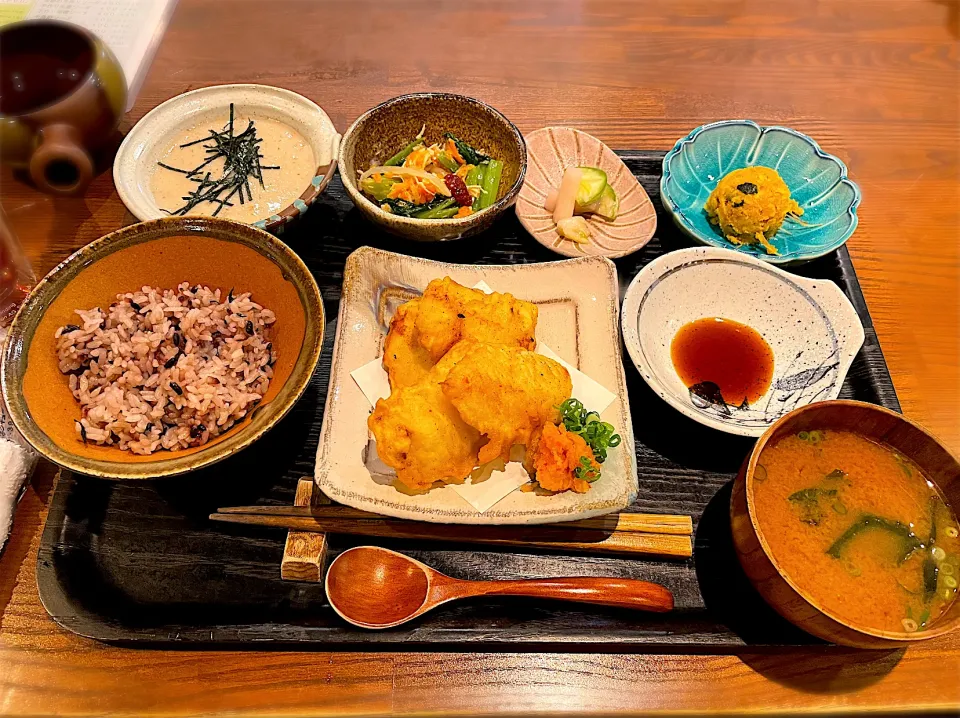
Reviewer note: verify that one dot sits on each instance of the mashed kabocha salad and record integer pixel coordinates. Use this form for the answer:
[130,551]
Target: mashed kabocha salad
[439,181]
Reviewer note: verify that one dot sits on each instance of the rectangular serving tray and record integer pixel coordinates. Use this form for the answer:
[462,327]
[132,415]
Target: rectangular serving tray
[139,563]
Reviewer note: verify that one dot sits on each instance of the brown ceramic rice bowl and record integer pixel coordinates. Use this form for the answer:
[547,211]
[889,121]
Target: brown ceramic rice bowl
[211,382]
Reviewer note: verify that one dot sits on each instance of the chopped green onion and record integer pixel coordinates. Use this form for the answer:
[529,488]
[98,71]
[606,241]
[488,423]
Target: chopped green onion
[598,434]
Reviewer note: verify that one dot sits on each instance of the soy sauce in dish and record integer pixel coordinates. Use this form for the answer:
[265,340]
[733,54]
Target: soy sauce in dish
[731,356]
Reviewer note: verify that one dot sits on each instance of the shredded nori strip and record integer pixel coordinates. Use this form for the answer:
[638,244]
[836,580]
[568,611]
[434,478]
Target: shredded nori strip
[241,156]
[747,188]
[135,306]
[70,328]
[83,432]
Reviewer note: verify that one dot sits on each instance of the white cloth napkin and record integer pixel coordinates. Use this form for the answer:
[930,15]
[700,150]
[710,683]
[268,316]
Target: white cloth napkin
[488,484]
[16,464]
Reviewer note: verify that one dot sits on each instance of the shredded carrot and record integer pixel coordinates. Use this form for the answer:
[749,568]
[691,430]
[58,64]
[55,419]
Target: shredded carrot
[463,212]
[451,148]
[419,158]
[463,171]
[411,189]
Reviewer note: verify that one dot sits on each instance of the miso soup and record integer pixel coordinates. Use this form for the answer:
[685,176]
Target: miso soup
[859,528]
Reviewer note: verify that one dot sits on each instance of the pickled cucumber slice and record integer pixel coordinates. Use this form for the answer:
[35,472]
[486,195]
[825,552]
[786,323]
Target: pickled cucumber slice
[592,183]
[609,204]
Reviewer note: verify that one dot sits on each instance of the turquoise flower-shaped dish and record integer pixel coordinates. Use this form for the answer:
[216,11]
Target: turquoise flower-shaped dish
[817,181]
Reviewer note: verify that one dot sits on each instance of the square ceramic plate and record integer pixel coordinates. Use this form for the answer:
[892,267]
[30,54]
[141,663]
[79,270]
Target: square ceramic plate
[578,301]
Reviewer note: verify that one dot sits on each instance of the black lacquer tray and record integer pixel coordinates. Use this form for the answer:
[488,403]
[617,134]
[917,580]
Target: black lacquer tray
[140,563]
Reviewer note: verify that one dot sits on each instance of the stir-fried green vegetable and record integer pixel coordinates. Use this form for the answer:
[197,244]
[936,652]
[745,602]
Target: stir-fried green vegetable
[469,154]
[448,162]
[402,208]
[447,207]
[378,190]
[398,158]
[490,185]
[599,435]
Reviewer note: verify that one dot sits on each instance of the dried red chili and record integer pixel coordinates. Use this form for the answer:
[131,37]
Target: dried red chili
[458,189]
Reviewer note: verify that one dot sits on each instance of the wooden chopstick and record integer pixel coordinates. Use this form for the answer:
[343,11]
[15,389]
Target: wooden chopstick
[660,535]
[626,522]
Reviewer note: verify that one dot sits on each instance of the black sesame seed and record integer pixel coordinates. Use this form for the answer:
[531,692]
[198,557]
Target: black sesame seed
[249,327]
[462,316]
[135,305]
[177,339]
[747,188]
[197,431]
[172,362]
[176,388]
[148,428]
[70,328]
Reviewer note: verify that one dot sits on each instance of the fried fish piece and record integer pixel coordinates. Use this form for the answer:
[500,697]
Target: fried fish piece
[405,361]
[450,312]
[421,435]
[508,394]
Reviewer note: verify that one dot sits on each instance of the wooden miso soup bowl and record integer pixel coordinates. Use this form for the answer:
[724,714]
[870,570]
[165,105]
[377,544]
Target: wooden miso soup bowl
[161,253]
[793,601]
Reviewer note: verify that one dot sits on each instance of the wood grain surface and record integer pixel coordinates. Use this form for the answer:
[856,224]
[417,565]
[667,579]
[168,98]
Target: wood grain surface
[875,82]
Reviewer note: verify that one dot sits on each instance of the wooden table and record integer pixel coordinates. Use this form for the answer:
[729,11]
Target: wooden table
[876,82]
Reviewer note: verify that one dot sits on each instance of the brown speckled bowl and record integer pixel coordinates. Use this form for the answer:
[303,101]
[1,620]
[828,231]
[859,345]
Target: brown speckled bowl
[380,132]
[160,253]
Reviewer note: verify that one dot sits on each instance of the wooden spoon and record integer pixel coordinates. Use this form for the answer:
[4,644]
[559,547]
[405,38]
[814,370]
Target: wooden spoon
[374,587]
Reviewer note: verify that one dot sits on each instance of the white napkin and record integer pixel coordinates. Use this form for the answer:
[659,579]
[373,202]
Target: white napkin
[16,464]
[487,484]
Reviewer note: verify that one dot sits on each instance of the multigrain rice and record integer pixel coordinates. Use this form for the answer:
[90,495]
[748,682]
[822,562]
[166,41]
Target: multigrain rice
[166,369]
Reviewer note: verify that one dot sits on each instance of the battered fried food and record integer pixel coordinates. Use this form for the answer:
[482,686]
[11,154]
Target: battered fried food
[449,312]
[405,361]
[508,394]
[420,434]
